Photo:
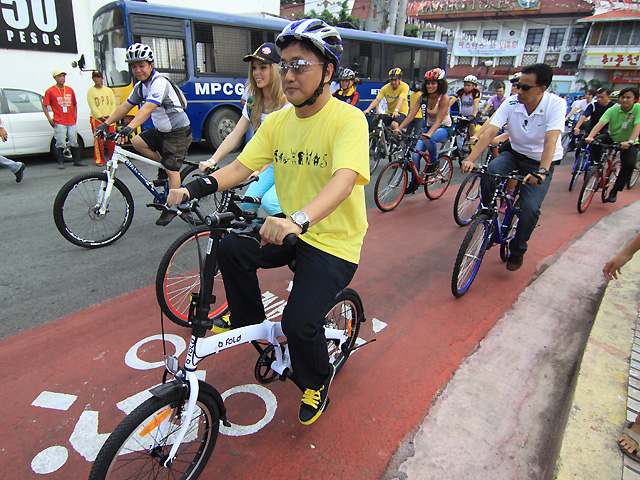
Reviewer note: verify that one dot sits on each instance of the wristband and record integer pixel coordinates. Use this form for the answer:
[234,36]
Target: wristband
[201,187]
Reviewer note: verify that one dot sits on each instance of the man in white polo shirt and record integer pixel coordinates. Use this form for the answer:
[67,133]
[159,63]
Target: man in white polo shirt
[535,120]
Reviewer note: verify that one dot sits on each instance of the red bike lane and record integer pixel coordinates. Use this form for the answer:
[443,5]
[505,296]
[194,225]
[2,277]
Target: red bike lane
[69,383]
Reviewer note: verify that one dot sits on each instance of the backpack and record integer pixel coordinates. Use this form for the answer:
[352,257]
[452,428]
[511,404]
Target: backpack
[181,97]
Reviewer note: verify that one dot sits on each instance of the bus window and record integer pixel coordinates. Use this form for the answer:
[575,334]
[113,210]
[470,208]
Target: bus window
[168,57]
[362,57]
[424,60]
[397,56]
[220,49]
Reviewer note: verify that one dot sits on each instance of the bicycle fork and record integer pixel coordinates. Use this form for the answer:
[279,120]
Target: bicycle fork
[102,202]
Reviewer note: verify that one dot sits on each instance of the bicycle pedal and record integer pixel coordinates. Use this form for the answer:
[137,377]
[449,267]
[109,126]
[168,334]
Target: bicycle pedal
[159,182]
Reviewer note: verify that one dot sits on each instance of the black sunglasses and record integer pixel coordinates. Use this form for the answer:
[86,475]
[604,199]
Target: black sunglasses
[524,87]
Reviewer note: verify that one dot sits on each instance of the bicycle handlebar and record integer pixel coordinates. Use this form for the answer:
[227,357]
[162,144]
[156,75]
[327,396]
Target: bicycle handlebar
[509,176]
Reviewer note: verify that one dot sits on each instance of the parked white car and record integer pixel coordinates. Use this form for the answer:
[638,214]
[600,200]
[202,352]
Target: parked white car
[29,131]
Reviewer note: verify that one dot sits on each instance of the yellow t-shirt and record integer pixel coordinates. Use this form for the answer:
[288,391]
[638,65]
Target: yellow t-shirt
[394,95]
[306,152]
[416,97]
[101,101]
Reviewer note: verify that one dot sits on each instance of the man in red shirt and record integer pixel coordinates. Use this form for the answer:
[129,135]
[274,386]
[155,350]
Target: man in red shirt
[62,101]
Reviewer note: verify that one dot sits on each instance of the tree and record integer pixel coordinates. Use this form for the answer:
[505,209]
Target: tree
[342,19]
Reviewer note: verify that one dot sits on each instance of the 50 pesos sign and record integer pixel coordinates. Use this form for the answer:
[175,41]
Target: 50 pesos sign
[44,25]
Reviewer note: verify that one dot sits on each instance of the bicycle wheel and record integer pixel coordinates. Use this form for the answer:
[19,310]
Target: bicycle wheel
[589,187]
[77,216]
[509,232]
[345,314]
[467,200]
[138,446]
[566,140]
[375,151]
[470,255]
[633,178]
[390,185]
[209,204]
[578,166]
[611,179]
[179,275]
[436,184]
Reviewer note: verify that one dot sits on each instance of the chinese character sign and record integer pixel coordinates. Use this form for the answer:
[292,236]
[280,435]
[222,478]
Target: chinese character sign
[488,48]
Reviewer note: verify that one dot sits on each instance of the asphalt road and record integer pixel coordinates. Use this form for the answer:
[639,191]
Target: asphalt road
[43,277]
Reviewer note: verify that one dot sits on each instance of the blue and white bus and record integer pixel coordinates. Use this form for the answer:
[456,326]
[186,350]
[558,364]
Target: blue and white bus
[202,52]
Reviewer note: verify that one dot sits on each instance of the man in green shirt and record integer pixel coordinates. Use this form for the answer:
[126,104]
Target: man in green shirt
[624,128]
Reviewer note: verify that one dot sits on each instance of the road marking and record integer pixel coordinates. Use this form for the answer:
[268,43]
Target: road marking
[49,460]
[55,401]
[132,360]
[378,325]
[265,395]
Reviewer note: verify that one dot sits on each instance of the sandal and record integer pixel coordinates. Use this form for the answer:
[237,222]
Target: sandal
[634,436]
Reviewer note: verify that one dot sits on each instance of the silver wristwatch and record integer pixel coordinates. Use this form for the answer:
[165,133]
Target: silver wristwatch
[301,219]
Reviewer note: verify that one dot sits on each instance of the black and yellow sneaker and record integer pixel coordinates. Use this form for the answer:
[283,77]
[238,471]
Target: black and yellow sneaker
[315,401]
[221,324]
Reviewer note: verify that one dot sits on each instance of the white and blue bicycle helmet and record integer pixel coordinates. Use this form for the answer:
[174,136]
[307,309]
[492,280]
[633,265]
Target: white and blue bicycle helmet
[324,37]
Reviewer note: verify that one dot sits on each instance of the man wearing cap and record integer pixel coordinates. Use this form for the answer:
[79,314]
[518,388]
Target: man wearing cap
[102,103]
[62,100]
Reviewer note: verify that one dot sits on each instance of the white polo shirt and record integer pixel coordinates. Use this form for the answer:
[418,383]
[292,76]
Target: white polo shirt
[527,132]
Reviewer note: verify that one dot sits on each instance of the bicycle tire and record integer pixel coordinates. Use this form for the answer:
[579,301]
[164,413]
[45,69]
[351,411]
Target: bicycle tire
[209,204]
[566,140]
[633,179]
[470,255]
[578,166]
[436,184]
[346,313]
[374,152]
[123,455]
[589,188]
[76,215]
[509,233]
[468,199]
[390,186]
[179,275]
[611,178]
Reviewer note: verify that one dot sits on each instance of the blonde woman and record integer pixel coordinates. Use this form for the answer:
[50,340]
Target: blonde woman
[265,96]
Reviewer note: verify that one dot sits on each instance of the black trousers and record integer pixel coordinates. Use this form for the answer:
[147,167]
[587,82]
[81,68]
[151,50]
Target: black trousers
[628,159]
[318,278]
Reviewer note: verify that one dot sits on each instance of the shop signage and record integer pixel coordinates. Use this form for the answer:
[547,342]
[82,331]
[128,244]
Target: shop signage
[44,25]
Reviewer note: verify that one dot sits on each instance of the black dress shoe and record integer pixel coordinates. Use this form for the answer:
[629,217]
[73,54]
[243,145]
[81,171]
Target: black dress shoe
[514,262]
[411,187]
[612,198]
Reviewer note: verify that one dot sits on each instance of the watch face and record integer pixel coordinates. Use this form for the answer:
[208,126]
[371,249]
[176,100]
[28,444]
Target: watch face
[300,217]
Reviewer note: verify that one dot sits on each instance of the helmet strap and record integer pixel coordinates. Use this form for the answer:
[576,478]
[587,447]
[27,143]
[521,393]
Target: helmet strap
[312,99]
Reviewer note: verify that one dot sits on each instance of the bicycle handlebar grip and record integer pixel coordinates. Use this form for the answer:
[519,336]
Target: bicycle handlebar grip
[290,239]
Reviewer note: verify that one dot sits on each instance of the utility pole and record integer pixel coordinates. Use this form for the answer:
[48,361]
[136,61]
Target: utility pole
[402,17]
[393,14]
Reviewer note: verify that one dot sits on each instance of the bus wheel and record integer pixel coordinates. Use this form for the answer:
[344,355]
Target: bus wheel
[219,125]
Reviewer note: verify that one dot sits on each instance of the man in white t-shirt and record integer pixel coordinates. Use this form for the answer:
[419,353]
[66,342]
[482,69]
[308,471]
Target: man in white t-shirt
[535,120]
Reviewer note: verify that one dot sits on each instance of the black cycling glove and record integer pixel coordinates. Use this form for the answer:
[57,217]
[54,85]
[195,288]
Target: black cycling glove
[101,130]
[125,132]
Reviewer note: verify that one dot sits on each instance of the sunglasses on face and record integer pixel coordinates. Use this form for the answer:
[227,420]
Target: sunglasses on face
[524,87]
[296,66]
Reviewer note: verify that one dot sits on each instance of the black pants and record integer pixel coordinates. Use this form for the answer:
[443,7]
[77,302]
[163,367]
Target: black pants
[318,277]
[628,159]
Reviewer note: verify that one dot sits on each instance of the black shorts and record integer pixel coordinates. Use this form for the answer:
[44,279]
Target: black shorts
[172,146]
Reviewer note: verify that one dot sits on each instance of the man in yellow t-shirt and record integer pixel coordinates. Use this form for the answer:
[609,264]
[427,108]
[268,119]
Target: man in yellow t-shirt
[102,103]
[396,93]
[320,154]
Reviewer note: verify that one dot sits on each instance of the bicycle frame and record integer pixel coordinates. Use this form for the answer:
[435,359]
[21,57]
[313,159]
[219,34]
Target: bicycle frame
[120,155]
[200,348]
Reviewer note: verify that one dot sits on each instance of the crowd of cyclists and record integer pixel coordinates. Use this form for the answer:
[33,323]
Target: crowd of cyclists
[310,150]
